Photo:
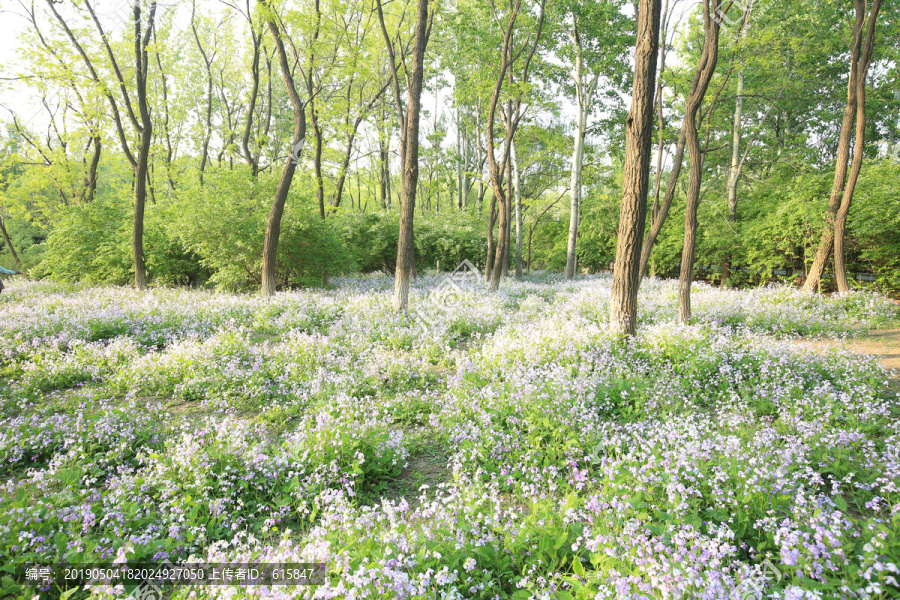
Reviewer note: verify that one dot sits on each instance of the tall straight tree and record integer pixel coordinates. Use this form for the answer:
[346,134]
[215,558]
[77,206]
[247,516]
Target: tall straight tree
[842,187]
[273,225]
[414,71]
[636,172]
[712,12]
[588,35]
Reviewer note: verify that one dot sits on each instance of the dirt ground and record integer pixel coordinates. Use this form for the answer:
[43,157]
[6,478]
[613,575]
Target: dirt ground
[884,344]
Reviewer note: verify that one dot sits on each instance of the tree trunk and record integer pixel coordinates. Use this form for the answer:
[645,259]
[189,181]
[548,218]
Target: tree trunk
[8,241]
[860,59]
[317,161]
[659,219]
[495,168]
[406,257]
[459,161]
[575,204]
[636,171]
[141,59]
[492,221]
[840,223]
[705,71]
[735,171]
[252,160]
[273,225]
[90,182]
[517,186]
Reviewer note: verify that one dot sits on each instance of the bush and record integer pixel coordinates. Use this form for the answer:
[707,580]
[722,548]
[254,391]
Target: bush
[224,223]
[448,237]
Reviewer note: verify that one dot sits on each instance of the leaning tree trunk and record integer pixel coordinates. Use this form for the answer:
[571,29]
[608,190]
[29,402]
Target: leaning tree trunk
[659,217]
[8,241]
[636,171]
[273,225]
[840,222]
[860,59]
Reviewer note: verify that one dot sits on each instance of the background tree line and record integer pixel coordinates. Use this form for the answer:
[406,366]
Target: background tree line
[277,144]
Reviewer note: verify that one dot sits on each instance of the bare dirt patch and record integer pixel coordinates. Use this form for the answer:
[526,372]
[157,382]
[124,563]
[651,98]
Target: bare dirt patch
[883,344]
[428,468]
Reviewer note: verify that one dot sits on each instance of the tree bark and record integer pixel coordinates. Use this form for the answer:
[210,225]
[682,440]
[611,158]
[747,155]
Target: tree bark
[636,171]
[207,62]
[840,223]
[90,180]
[860,59]
[273,225]
[251,158]
[406,250]
[661,211]
[495,168]
[736,163]
[583,99]
[577,162]
[517,187]
[146,138]
[8,240]
[705,71]
[491,222]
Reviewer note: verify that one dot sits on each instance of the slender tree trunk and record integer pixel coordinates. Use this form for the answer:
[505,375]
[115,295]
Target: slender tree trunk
[860,59]
[406,250]
[141,59]
[517,186]
[8,241]
[252,160]
[492,220]
[459,161]
[636,171]
[661,125]
[317,161]
[705,71]
[495,168]
[662,212]
[840,222]
[90,181]
[575,204]
[735,172]
[273,225]
[510,194]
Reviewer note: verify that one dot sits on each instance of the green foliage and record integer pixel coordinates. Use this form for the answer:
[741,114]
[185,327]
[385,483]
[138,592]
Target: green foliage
[224,223]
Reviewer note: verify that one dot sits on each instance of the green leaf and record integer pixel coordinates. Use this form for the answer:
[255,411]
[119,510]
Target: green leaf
[577,567]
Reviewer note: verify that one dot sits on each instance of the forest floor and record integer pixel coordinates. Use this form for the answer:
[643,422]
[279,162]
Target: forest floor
[883,344]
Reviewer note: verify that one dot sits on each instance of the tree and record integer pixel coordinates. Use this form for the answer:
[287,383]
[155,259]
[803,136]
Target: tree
[409,139]
[142,34]
[586,35]
[712,9]
[273,225]
[510,53]
[843,186]
[703,73]
[636,172]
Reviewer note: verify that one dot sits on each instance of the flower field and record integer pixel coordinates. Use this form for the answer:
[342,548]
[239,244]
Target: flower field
[485,446]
